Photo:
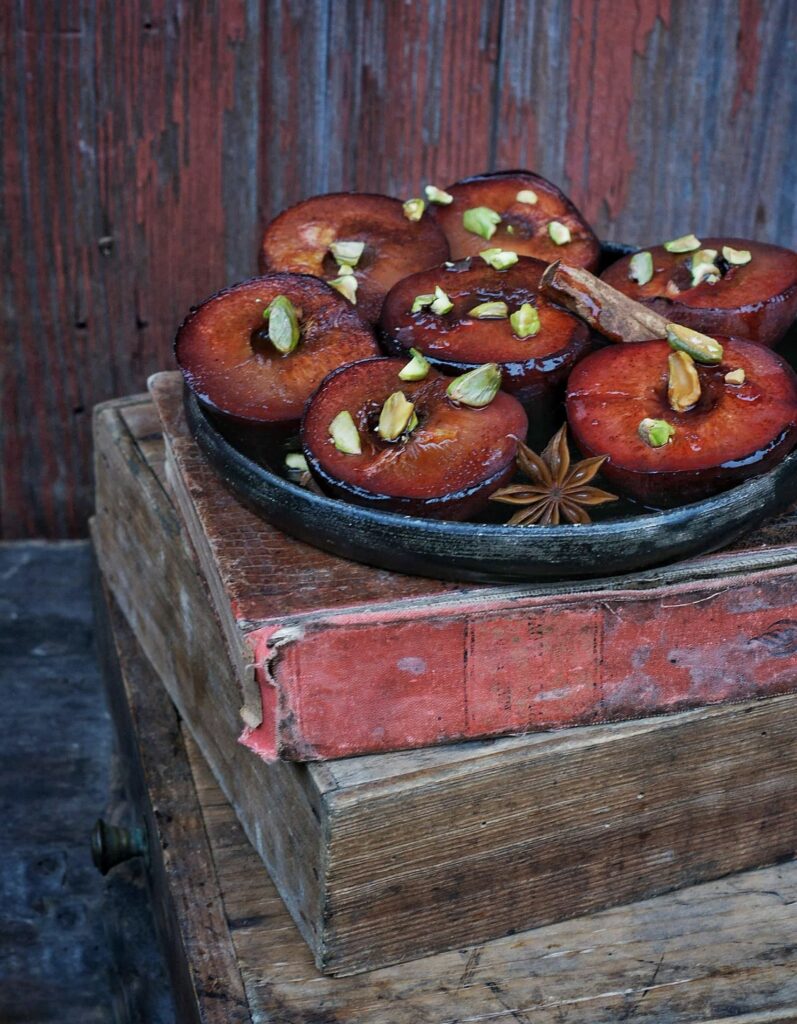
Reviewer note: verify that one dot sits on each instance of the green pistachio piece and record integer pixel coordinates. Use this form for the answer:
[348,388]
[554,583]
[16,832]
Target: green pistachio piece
[640,269]
[510,229]
[413,209]
[559,233]
[344,434]
[735,376]
[655,433]
[686,243]
[736,257]
[481,220]
[283,324]
[699,346]
[442,303]
[437,195]
[296,461]
[499,259]
[476,388]
[704,268]
[347,254]
[344,270]
[347,286]
[490,311]
[525,321]
[395,416]
[417,368]
[420,301]
[527,195]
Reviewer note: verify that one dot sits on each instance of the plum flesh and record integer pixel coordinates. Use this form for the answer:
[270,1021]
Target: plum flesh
[299,240]
[733,432]
[757,300]
[229,364]
[455,342]
[524,226]
[445,468]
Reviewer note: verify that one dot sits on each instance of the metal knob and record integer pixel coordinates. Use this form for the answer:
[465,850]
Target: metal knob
[111,845]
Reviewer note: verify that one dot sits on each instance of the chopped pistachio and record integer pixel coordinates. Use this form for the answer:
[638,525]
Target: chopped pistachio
[437,195]
[499,259]
[347,286]
[476,388]
[640,269]
[344,270]
[527,195]
[510,229]
[559,233]
[344,434]
[442,303]
[686,243]
[347,254]
[420,301]
[655,433]
[735,376]
[683,384]
[417,368]
[736,257]
[699,346]
[704,268]
[413,209]
[481,220]
[283,324]
[395,416]
[296,461]
[525,321]
[490,311]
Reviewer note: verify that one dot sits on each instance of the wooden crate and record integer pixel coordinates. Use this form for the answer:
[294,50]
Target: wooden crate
[384,858]
[350,660]
[720,952]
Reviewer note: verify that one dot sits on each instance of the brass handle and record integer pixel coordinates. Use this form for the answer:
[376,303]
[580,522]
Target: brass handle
[111,845]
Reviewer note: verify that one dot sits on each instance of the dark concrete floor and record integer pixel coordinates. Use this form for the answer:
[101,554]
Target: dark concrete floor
[73,946]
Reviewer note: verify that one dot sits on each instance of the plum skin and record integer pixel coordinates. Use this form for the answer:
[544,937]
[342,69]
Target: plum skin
[674,486]
[458,504]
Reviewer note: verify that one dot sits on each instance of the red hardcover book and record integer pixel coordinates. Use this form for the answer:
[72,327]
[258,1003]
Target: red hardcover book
[337,658]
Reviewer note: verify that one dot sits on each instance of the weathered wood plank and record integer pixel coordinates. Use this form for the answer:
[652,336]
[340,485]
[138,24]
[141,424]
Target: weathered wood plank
[128,189]
[205,976]
[394,845]
[145,145]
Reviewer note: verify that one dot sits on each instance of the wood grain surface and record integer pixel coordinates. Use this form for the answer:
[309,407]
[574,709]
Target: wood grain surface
[146,143]
[720,952]
[375,856]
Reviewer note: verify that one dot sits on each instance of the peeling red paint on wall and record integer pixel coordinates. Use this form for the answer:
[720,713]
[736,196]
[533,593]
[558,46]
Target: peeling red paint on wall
[600,160]
[748,48]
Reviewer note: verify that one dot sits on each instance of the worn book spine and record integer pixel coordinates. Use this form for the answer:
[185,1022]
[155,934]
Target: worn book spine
[390,678]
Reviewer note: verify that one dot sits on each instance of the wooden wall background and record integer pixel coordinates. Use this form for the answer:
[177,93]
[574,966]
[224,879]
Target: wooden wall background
[144,143]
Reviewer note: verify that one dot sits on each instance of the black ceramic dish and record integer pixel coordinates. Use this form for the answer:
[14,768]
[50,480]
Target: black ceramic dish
[492,552]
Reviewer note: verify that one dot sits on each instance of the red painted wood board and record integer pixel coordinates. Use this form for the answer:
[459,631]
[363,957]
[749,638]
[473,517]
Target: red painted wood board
[352,660]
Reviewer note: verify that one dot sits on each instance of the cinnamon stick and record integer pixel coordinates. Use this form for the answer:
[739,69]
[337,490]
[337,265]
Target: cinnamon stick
[604,308]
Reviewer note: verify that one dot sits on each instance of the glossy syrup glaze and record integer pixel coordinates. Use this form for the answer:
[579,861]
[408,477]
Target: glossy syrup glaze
[445,467]
[731,433]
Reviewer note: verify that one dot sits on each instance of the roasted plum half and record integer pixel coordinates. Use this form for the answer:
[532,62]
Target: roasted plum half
[676,430]
[516,210]
[254,353]
[725,286]
[375,438]
[363,242]
[479,314]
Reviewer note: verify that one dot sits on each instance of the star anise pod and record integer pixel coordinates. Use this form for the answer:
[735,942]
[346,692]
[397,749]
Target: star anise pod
[555,491]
